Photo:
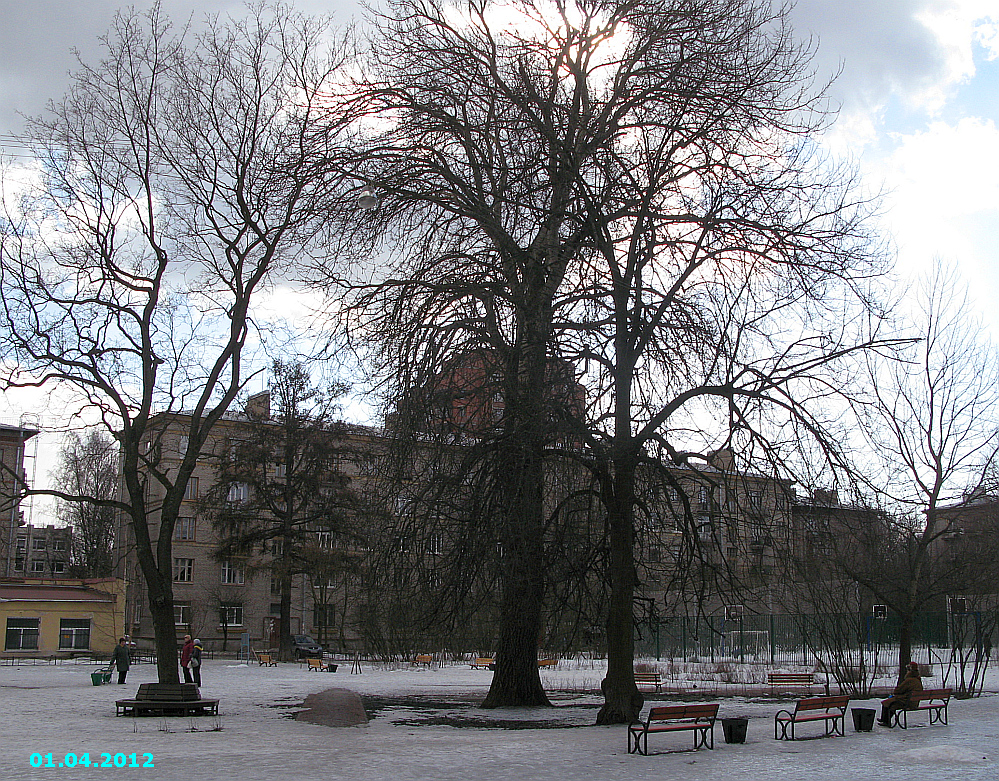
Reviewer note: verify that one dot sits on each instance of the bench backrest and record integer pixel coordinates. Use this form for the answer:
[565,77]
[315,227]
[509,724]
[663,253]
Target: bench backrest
[929,694]
[823,703]
[654,676]
[790,677]
[424,659]
[168,692]
[706,712]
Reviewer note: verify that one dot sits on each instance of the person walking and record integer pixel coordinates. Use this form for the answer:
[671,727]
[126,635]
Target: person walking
[196,661]
[900,696]
[120,658]
[186,651]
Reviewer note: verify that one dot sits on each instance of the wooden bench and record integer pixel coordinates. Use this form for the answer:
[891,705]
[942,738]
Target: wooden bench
[425,659]
[482,661]
[167,699]
[699,719]
[547,662]
[830,710]
[933,700]
[266,659]
[790,680]
[649,679]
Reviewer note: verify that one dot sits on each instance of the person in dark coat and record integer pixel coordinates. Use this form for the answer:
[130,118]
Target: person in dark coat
[121,659]
[196,661]
[900,696]
[186,651]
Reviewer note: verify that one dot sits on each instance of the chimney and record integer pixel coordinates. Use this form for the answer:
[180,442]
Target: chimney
[258,406]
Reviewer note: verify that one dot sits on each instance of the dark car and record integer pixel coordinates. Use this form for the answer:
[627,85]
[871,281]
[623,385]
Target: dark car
[305,646]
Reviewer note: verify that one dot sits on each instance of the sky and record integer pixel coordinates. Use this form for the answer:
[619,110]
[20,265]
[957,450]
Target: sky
[918,90]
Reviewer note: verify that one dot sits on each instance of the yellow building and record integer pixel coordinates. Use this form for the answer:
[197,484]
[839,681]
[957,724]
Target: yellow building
[63,617]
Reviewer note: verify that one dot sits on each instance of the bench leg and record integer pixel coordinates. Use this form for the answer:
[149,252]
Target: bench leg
[704,737]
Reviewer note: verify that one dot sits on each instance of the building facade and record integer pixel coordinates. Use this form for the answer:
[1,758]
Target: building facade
[14,441]
[61,618]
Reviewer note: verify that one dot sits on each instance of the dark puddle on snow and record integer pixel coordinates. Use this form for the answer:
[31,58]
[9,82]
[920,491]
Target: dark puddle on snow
[417,711]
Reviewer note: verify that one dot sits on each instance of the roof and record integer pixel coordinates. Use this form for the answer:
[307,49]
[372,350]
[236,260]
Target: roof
[52,592]
[21,431]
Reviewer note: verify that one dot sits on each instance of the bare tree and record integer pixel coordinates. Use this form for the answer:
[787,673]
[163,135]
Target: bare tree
[624,185]
[933,438]
[88,467]
[177,178]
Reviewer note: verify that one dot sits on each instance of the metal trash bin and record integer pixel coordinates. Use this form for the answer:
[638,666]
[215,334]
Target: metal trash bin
[863,719]
[735,730]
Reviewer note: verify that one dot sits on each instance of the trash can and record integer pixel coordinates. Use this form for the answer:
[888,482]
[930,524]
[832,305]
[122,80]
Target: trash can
[863,719]
[735,730]
[97,678]
[331,667]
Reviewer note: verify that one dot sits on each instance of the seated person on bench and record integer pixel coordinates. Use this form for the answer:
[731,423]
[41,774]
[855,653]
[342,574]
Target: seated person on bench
[900,696]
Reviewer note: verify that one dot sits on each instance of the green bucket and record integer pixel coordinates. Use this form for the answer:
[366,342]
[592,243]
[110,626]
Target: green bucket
[97,678]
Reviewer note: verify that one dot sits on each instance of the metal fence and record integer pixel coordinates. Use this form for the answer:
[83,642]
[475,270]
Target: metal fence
[798,639]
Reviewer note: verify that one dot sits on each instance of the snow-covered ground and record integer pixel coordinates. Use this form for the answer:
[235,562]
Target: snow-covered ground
[425,726]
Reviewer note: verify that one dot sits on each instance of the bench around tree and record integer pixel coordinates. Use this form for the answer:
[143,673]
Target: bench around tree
[167,699]
[933,700]
[831,710]
[699,719]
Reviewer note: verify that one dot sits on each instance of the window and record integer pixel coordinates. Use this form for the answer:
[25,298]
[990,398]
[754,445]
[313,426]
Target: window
[230,615]
[191,491]
[756,499]
[19,565]
[275,609]
[325,540]
[38,566]
[280,470]
[183,570]
[238,492]
[231,573]
[38,543]
[74,633]
[184,530]
[182,443]
[59,544]
[435,545]
[277,546]
[22,634]
[22,544]
[58,567]
[182,613]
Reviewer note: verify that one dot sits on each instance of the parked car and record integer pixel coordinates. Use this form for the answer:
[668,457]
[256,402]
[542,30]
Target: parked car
[305,646]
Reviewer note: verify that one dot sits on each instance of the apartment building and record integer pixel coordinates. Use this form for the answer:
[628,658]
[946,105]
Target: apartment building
[14,442]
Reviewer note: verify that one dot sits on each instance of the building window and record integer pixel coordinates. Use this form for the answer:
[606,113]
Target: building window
[182,613]
[232,574]
[22,634]
[38,566]
[230,615]
[325,540]
[38,543]
[184,530]
[22,545]
[58,567]
[280,470]
[756,499]
[183,570]
[59,544]
[191,491]
[74,634]
[18,565]
[275,609]
[238,492]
